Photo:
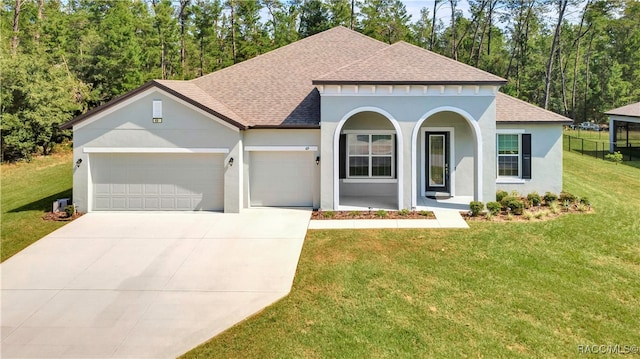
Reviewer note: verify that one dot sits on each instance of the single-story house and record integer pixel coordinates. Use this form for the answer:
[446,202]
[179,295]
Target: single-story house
[621,119]
[334,121]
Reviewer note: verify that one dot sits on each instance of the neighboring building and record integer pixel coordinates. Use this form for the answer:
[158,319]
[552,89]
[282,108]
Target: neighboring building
[622,120]
[336,120]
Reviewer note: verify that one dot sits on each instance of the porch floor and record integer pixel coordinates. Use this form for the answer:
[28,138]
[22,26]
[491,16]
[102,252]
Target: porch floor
[389,203]
[457,203]
[362,203]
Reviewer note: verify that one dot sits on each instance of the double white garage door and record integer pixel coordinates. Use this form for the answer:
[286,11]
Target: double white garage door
[186,182]
[153,181]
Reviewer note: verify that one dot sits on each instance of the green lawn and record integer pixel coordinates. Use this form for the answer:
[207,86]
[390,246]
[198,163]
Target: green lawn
[496,290]
[28,191]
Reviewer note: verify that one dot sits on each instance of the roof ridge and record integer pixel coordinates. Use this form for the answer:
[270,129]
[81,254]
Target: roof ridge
[282,48]
[375,53]
[228,112]
[402,42]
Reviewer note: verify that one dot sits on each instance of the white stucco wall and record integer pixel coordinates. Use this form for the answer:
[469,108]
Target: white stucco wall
[546,160]
[130,126]
[406,111]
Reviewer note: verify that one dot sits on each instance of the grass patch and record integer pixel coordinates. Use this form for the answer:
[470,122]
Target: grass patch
[28,191]
[521,289]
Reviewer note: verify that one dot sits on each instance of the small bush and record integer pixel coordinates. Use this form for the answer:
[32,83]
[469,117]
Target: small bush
[424,213]
[528,215]
[476,208]
[494,207]
[70,210]
[355,214]
[328,214]
[553,207]
[403,212]
[500,194]
[566,196]
[515,205]
[585,201]
[566,205]
[515,194]
[534,198]
[488,215]
[381,213]
[614,157]
[540,214]
[509,216]
[550,198]
[582,207]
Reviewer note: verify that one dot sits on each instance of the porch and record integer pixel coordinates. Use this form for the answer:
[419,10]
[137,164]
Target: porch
[389,203]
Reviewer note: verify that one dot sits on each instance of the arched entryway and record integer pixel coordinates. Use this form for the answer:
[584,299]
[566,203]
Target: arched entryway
[446,158]
[368,161]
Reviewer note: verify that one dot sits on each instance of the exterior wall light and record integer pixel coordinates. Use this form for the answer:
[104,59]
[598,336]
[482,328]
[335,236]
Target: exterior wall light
[317,160]
[231,162]
[78,162]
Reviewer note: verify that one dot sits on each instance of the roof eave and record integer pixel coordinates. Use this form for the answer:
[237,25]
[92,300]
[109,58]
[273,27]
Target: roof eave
[146,86]
[286,127]
[618,114]
[538,122]
[424,83]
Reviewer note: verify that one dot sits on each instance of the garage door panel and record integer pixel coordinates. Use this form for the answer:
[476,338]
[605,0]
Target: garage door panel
[135,188]
[282,179]
[157,181]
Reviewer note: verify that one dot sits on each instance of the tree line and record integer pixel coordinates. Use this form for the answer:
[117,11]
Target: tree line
[578,58]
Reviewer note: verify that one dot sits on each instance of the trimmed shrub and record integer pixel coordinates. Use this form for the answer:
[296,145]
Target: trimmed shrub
[566,196]
[534,198]
[494,207]
[70,210]
[550,198]
[476,208]
[614,157]
[328,214]
[381,213]
[403,212]
[500,194]
[585,201]
[515,205]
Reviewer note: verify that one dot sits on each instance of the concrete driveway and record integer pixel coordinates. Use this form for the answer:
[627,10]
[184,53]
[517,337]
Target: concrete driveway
[146,285]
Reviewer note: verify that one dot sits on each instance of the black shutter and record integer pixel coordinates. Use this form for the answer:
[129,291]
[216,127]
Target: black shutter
[526,156]
[395,152]
[342,154]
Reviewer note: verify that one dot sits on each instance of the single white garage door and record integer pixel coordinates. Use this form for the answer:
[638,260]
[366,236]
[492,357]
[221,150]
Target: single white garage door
[282,179]
[157,181]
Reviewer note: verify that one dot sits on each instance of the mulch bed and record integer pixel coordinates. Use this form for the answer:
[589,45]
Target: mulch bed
[536,214]
[60,216]
[326,215]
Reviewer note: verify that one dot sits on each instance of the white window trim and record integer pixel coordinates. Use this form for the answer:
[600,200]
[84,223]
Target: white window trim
[370,177]
[509,179]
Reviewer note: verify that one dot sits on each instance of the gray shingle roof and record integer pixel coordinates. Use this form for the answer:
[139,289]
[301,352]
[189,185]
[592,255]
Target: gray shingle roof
[511,110]
[191,91]
[632,110]
[275,89]
[408,64]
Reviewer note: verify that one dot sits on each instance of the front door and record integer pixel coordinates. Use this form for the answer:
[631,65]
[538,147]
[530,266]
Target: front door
[437,163]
